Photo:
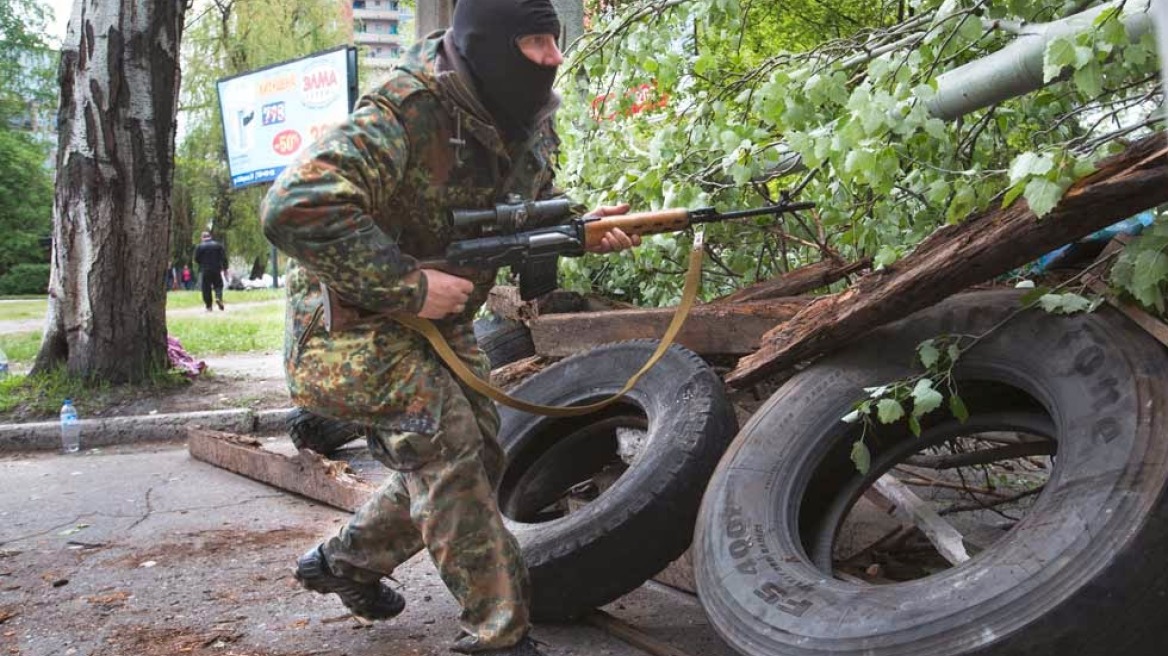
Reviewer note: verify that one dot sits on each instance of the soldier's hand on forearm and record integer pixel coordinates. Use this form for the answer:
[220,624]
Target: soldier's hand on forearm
[445,294]
[615,239]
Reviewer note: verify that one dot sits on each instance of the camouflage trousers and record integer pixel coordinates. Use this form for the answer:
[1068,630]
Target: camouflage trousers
[441,497]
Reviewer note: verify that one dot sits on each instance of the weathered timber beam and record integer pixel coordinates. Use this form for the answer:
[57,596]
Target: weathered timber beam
[947,540]
[797,282]
[711,329]
[955,257]
[306,474]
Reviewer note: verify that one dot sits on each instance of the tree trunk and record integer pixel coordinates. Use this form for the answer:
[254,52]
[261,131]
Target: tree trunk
[432,15]
[571,13]
[119,78]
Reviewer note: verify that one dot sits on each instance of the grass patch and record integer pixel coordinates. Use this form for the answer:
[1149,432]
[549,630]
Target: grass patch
[23,309]
[42,395]
[258,329]
[194,298]
[20,347]
[242,330]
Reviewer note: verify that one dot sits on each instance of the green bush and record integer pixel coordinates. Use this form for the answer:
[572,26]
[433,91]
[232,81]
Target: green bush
[25,279]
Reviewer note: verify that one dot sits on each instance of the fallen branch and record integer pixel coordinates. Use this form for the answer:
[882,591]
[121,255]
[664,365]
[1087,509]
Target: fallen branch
[798,281]
[992,504]
[954,258]
[984,456]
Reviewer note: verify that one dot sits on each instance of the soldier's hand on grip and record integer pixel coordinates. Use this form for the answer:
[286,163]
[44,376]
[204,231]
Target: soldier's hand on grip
[445,294]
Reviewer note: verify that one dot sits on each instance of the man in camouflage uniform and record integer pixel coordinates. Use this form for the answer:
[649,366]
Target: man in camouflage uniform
[466,122]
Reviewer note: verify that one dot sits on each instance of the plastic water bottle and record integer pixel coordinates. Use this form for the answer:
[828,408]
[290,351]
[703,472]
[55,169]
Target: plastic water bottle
[70,428]
[3,365]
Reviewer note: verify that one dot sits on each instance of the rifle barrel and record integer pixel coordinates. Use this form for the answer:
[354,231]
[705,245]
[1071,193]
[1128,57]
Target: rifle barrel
[759,211]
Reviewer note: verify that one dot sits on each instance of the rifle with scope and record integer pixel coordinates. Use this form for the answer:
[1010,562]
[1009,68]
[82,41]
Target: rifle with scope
[534,254]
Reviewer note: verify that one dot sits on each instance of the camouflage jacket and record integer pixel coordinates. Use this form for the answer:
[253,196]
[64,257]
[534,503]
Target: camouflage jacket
[369,199]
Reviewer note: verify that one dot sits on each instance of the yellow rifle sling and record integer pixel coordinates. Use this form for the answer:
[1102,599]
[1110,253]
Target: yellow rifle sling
[426,328]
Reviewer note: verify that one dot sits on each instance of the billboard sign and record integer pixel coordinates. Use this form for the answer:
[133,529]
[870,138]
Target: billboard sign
[271,114]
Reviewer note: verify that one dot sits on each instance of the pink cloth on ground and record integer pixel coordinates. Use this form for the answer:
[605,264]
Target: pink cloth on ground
[181,360]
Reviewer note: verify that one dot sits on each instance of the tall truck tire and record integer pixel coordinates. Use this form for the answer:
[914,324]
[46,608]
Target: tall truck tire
[1082,573]
[642,518]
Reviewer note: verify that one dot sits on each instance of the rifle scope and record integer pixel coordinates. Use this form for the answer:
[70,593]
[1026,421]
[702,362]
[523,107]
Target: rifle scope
[512,217]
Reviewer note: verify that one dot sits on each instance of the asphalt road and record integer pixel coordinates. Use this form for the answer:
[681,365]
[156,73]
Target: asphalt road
[144,552]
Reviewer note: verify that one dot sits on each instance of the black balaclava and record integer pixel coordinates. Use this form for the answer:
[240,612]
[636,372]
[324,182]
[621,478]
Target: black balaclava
[513,88]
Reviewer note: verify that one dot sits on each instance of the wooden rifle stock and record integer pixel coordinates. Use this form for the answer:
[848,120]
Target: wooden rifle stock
[639,223]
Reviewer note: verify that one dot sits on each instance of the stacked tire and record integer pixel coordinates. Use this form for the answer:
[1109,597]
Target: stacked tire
[1083,573]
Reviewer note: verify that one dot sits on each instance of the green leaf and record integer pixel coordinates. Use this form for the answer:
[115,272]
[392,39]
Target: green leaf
[861,457]
[928,353]
[957,407]
[1065,303]
[1030,164]
[1043,195]
[885,256]
[1012,195]
[954,353]
[925,398]
[914,425]
[889,411]
[1033,296]
[1059,54]
[1089,79]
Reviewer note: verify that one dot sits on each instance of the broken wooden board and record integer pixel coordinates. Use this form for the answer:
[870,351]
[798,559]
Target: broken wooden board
[504,302]
[956,257]
[305,473]
[710,329]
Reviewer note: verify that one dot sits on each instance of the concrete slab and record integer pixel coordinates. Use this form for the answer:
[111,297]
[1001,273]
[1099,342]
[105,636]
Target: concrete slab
[143,551]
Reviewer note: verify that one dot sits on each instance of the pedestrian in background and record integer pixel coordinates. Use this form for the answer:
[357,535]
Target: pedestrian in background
[212,261]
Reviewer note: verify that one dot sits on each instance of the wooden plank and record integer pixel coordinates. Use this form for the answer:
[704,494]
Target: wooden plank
[307,474]
[798,281]
[1142,318]
[948,540]
[632,635]
[957,257]
[710,329]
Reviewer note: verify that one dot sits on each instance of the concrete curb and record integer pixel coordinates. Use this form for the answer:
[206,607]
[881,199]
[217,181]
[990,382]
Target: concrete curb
[46,435]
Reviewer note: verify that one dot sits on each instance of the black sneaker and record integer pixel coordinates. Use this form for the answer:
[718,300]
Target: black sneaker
[525,647]
[219,303]
[367,601]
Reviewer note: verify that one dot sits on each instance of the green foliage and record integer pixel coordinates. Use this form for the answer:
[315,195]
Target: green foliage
[25,279]
[750,84]
[224,40]
[26,201]
[26,63]
[913,398]
[1142,270]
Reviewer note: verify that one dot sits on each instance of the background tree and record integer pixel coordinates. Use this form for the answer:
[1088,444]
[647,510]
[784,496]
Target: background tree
[26,93]
[119,81]
[738,88]
[227,38]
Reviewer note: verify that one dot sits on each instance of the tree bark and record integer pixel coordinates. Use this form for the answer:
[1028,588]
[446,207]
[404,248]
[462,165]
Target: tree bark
[119,77]
[953,258]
